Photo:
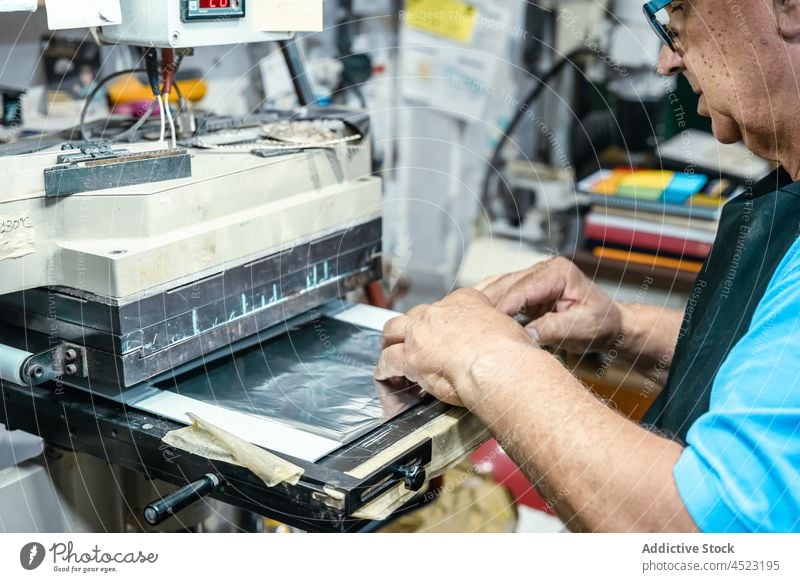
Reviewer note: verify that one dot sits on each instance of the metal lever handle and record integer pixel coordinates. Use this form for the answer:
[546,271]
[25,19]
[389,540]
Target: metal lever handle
[12,364]
[413,477]
[165,508]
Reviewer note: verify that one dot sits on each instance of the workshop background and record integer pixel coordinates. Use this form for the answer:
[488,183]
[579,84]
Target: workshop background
[502,130]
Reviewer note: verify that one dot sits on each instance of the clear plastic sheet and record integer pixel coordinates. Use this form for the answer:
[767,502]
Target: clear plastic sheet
[317,377]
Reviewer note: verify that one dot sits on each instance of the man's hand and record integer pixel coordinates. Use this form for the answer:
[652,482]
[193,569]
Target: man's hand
[566,309]
[438,346]
[603,471]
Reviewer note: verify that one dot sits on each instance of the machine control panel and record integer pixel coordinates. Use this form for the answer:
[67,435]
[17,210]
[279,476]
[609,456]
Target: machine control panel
[212,9]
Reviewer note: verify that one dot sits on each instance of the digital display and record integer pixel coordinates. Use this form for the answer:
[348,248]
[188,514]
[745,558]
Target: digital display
[210,4]
[212,9]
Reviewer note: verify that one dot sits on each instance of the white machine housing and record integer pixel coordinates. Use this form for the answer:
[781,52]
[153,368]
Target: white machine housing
[161,24]
[125,241]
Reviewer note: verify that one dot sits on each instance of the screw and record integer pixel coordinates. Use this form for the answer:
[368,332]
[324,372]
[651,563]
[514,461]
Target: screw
[37,372]
[70,354]
[71,369]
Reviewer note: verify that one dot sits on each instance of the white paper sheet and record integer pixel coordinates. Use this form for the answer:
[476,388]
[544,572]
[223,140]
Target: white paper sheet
[287,15]
[367,316]
[259,431]
[17,5]
[66,14]
[446,75]
[278,85]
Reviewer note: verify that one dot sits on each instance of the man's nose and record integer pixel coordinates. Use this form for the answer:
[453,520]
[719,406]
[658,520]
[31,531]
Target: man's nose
[670,63]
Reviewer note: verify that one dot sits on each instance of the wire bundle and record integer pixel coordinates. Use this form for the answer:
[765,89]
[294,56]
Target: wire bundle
[157,74]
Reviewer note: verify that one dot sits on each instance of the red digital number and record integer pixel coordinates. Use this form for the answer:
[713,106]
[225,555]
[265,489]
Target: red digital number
[215,3]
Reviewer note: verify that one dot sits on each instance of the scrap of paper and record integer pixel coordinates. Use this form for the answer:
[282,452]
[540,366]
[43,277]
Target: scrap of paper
[66,14]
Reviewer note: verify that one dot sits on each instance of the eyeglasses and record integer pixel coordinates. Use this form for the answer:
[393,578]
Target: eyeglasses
[659,21]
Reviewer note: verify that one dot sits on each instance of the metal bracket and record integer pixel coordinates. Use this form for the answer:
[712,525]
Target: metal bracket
[62,360]
[90,150]
[99,167]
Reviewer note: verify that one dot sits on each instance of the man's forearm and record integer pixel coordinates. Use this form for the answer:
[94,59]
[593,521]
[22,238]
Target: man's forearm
[598,470]
[649,335]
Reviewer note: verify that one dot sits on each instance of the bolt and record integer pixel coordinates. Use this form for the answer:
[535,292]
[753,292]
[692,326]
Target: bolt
[71,369]
[37,372]
[71,354]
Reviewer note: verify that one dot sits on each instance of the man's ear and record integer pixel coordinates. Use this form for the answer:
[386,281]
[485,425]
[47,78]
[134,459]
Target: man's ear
[787,16]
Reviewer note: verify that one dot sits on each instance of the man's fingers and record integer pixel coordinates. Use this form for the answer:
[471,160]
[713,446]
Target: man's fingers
[533,331]
[554,328]
[496,287]
[488,282]
[542,284]
[394,332]
[539,288]
[468,293]
[392,363]
[417,310]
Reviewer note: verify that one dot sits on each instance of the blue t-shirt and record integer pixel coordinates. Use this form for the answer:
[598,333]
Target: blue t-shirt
[740,471]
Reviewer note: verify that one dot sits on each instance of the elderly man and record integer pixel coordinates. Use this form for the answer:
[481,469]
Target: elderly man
[720,450]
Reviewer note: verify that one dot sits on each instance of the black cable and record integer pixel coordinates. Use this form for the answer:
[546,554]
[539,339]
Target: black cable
[131,131]
[93,93]
[496,160]
[362,100]
[297,71]
[152,69]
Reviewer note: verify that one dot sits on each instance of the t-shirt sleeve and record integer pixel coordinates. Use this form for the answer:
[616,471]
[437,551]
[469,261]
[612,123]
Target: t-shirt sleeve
[740,471]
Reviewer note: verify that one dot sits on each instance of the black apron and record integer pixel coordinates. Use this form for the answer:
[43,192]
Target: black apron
[756,230]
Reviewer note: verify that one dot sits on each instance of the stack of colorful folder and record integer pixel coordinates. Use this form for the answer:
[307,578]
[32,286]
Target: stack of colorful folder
[653,217]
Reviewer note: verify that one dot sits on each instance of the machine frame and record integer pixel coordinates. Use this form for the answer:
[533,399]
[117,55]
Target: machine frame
[343,492]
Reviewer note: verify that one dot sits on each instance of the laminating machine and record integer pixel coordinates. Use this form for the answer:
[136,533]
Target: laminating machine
[148,286]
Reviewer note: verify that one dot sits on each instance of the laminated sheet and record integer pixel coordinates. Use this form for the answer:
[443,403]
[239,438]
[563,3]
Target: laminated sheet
[305,393]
